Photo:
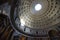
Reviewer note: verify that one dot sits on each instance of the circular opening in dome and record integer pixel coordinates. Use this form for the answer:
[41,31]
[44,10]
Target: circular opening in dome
[38,7]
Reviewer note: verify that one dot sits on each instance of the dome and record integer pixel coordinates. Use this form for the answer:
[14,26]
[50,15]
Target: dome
[36,17]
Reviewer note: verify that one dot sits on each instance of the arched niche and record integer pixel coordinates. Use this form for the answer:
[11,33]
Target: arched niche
[53,34]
